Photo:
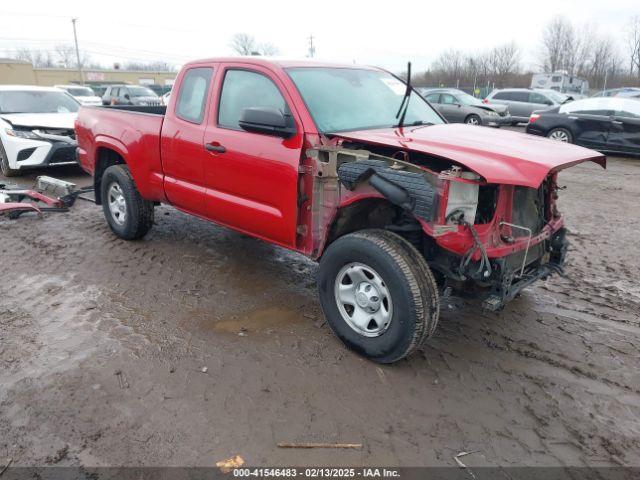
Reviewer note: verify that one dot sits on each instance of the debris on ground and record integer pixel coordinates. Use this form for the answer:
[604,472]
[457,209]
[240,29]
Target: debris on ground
[4,469]
[122,380]
[60,455]
[462,465]
[229,464]
[319,445]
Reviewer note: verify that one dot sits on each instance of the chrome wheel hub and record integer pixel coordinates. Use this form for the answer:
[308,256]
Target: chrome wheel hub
[117,203]
[363,299]
[559,135]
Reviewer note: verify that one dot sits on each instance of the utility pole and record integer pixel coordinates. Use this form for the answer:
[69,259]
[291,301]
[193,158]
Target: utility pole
[312,49]
[75,38]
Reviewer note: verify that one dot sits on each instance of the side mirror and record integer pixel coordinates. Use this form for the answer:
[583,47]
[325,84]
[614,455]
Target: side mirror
[267,120]
[127,96]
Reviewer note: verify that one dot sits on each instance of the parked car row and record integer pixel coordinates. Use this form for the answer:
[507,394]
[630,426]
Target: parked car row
[607,124]
[130,95]
[121,94]
[36,123]
[457,106]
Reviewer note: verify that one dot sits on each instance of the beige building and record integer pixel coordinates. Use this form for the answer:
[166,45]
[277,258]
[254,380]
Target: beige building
[17,72]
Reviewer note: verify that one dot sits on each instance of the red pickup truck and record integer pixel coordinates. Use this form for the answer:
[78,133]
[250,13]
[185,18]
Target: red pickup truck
[351,167]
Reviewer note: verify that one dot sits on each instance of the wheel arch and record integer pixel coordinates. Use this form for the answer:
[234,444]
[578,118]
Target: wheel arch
[369,213]
[105,158]
[473,114]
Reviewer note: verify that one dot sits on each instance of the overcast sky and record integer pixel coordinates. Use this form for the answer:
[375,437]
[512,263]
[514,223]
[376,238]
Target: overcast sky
[387,34]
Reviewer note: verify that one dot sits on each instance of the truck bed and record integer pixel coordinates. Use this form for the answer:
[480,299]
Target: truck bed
[152,110]
[132,132]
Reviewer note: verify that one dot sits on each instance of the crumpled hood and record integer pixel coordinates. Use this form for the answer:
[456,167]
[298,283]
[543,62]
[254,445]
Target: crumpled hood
[496,107]
[43,120]
[499,156]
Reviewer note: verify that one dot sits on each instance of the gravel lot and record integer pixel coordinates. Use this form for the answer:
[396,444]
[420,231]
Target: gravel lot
[199,343]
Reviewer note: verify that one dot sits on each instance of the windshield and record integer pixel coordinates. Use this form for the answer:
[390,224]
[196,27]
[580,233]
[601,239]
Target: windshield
[466,99]
[141,92]
[37,102]
[80,91]
[343,99]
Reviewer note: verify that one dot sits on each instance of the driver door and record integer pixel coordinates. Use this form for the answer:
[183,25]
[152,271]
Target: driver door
[251,179]
[451,108]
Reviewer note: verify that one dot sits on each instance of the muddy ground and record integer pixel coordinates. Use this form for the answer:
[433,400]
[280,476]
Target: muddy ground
[199,343]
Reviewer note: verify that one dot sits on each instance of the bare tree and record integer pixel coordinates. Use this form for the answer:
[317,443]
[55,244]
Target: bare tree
[268,49]
[504,61]
[558,45]
[243,44]
[66,55]
[633,44]
[154,66]
[449,65]
[38,58]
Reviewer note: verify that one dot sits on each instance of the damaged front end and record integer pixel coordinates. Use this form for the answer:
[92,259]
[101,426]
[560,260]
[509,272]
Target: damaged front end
[484,239]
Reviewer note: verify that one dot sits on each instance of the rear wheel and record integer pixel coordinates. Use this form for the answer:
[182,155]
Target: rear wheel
[561,135]
[128,214]
[378,294]
[473,119]
[6,170]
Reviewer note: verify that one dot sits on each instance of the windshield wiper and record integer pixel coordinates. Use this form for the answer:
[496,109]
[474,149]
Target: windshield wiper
[404,106]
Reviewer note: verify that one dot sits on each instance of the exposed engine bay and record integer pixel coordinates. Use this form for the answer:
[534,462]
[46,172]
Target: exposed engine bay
[488,239]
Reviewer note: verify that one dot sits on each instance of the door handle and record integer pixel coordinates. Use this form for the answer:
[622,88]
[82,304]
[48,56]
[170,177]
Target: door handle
[616,122]
[214,147]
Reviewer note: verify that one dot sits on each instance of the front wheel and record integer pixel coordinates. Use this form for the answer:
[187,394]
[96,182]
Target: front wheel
[378,294]
[6,170]
[473,120]
[561,135]
[129,216]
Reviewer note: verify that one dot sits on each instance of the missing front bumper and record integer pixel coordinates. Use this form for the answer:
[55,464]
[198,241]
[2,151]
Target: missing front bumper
[508,280]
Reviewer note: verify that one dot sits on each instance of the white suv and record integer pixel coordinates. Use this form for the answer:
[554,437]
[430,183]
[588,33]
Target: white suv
[36,128]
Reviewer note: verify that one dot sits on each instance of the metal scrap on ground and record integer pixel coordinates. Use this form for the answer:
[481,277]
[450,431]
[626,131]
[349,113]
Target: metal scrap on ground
[319,445]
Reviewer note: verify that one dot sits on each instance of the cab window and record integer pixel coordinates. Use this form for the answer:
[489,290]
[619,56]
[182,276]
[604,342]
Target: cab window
[243,89]
[447,99]
[538,98]
[433,98]
[192,97]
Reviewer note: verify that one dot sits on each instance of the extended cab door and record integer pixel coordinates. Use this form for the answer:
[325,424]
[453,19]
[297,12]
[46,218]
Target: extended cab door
[251,178]
[181,143]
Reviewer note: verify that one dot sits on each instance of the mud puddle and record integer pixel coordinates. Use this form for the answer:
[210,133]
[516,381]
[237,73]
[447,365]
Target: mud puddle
[260,320]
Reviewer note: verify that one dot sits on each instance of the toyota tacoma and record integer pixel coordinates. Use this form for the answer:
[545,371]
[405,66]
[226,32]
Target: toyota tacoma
[349,166]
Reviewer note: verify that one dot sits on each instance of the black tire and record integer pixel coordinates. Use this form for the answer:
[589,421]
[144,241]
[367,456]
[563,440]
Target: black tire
[4,164]
[515,124]
[411,286]
[473,119]
[560,132]
[138,212]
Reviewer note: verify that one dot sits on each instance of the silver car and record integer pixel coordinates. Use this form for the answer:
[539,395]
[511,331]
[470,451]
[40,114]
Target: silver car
[523,101]
[457,106]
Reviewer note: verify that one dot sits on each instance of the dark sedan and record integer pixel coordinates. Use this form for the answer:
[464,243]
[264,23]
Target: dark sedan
[605,124]
[460,107]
